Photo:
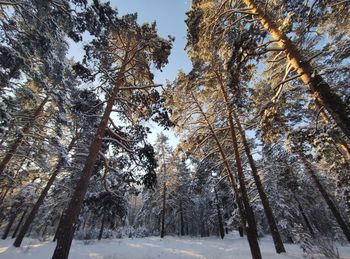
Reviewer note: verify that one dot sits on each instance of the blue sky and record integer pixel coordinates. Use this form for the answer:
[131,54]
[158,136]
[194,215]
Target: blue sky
[170,17]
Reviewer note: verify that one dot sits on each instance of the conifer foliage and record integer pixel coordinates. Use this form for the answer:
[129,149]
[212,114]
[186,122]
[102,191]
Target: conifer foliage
[262,119]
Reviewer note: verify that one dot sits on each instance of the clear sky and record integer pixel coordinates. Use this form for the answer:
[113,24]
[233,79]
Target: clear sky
[170,17]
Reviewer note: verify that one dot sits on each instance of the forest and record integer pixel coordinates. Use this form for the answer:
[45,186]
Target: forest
[262,121]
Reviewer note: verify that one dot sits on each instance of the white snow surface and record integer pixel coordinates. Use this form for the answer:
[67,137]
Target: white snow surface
[154,247]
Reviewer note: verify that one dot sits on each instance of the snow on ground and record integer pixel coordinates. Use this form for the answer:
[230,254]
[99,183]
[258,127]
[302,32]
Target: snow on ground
[154,247]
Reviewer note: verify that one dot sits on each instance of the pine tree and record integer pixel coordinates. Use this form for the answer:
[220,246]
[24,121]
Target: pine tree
[132,48]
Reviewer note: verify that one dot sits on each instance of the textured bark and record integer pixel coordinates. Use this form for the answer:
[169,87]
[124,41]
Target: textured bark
[19,224]
[27,127]
[162,226]
[319,89]
[64,239]
[41,198]
[336,213]
[244,207]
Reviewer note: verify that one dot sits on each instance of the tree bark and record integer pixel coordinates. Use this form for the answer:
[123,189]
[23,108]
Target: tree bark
[41,198]
[27,127]
[279,247]
[70,216]
[162,227]
[251,228]
[320,90]
[336,213]
[19,224]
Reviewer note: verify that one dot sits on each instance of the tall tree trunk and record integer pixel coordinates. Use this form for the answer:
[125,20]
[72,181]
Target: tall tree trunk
[9,225]
[102,226]
[336,213]
[162,227]
[41,198]
[279,247]
[320,90]
[27,127]
[19,224]
[251,228]
[182,229]
[243,208]
[70,216]
[221,225]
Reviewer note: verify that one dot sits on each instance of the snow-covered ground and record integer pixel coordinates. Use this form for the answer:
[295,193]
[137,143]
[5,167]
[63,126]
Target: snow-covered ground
[154,247]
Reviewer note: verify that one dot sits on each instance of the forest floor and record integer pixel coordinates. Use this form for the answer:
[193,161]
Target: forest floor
[154,247]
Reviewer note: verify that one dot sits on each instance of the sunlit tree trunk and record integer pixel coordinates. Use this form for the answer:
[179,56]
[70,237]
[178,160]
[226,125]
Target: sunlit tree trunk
[320,90]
